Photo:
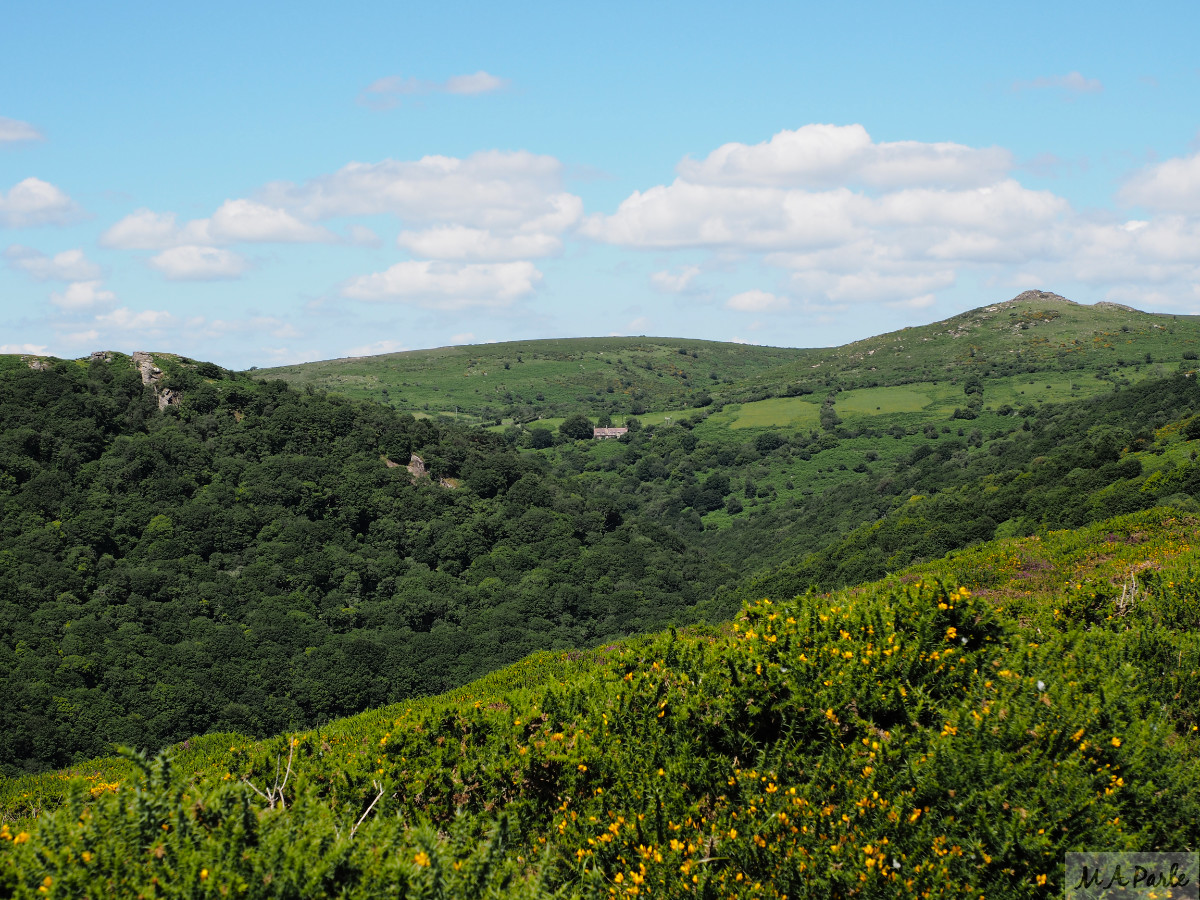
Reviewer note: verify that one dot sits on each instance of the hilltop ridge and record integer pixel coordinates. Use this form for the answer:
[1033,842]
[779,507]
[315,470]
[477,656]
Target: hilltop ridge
[524,381]
[1034,331]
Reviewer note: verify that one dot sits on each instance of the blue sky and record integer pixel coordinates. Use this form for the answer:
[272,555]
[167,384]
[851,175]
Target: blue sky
[268,183]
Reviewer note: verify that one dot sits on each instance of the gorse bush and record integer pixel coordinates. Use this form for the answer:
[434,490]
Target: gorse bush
[901,739]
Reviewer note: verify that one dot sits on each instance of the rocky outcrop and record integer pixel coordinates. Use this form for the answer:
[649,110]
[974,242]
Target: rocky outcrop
[145,365]
[152,375]
[417,470]
[1041,297]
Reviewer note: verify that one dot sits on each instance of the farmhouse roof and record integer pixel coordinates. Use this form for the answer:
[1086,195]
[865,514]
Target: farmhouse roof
[602,433]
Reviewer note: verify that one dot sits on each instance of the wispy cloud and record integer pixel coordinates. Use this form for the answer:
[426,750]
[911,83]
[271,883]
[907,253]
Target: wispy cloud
[69,265]
[386,93]
[26,349]
[195,263]
[379,347]
[14,130]
[757,301]
[640,325]
[149,321]
[674,282]
[1072,82]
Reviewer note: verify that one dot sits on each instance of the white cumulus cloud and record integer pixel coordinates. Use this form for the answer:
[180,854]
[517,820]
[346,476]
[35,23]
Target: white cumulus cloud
[488,189]
[82,295]
[492,205]
[439,285]
[684,215]
[35,202]
[196,263]
[145,229]
[824,156]
[1172,186]
[853,219]
[235,221]
[69,265]
[245,220]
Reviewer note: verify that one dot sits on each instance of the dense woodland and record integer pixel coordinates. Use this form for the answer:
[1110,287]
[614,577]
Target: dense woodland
[248,560]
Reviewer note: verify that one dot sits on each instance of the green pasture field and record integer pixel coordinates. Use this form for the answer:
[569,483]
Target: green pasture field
[887,400]
[777,412]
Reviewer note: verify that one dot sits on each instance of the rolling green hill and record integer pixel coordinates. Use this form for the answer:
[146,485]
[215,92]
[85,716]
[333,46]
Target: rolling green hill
[1067,347]
[1035,332]
[542,379]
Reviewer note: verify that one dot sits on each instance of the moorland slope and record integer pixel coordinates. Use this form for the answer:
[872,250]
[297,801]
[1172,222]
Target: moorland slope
[949,732]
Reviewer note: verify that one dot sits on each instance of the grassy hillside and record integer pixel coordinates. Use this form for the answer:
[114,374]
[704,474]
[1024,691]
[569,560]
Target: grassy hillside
[1070,350]
[1032,333]
[910,737]
[542,379]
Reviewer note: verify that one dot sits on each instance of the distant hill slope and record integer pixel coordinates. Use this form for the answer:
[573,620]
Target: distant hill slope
[544,378]
[1034,332]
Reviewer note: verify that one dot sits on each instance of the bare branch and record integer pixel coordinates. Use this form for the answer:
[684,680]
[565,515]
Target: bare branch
[288,773]
[362,818]
[274,794]
[266,797]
